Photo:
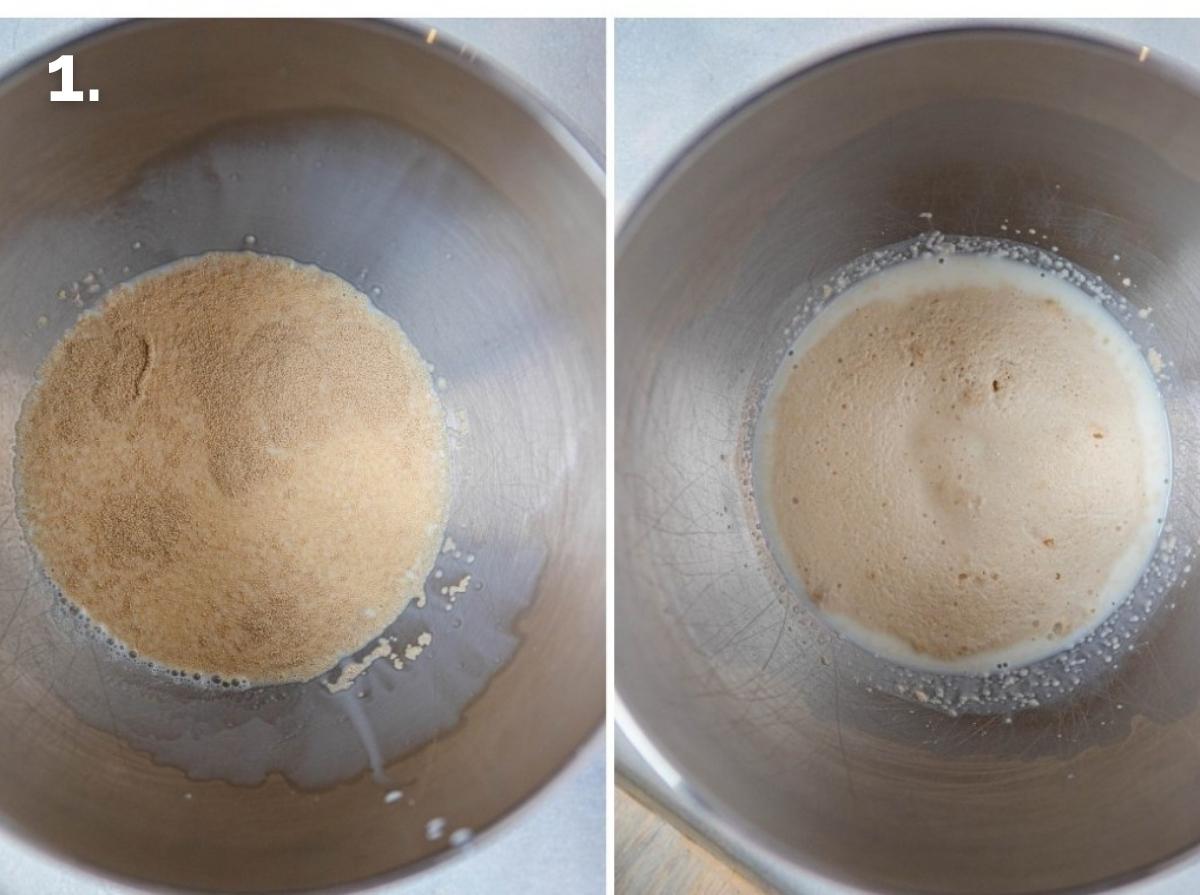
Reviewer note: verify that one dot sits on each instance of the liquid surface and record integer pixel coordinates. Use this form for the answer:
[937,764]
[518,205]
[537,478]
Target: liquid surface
[964,463]
[237,467]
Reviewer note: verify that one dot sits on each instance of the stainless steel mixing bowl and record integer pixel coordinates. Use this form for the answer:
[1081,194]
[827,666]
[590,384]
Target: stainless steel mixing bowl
[778,730]
[467,213]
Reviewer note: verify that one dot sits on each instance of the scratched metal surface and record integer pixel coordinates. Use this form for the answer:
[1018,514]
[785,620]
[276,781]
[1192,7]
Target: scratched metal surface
[241,183]
[755,721]
[711,64]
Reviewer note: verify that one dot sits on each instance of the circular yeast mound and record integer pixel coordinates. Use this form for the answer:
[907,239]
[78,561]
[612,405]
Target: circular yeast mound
[962,462]
[236,466]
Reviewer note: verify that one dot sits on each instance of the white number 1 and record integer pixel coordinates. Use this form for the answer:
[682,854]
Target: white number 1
[67,93]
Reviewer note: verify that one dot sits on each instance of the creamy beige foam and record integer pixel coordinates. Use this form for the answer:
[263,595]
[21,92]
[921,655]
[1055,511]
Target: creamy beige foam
[964,463]
[237,467]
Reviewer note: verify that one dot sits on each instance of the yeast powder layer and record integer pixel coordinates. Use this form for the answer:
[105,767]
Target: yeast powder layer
[236,466]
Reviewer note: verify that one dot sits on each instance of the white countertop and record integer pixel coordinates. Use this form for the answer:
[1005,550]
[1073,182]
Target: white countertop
[557,846]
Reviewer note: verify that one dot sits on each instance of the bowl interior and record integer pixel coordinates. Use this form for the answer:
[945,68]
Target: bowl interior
[797,738]
[463,213]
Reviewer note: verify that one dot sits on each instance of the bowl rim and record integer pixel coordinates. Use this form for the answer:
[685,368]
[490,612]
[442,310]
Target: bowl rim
[528,100]
[727,117]
[695,798]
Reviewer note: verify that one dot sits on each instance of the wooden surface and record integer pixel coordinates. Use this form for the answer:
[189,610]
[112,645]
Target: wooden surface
[653,857]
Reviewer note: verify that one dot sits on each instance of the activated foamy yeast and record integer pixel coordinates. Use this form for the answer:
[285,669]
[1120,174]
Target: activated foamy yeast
[964,463]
